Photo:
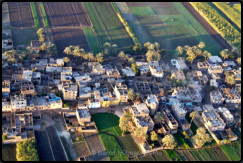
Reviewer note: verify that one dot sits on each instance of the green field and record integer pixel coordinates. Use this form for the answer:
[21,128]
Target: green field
[230,12]
[107,25]
[43,13]
[212,154]
[172,155]
[93,42]
[177,28]
[35,15]
[23,36]
[161,156]
[113,149]
[146,158]
[142,10]
[181,143]
[129,145]
[237,7]
[233,151]
[9,152]
[197,156]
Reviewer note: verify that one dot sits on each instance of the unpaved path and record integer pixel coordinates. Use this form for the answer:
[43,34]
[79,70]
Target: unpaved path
[141,34]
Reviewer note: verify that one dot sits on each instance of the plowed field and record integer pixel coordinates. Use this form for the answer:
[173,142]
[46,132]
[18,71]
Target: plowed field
[20,14]
[64,37]
[66,14]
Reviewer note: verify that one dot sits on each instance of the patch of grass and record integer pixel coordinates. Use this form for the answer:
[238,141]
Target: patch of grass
[129,145]
[107,122]
[35,15]
[173,155]
[181,141]
[113,149]
[93,42]
[231,152]
[146,158]
[193,126]
[9,152]
[205,155]
[142,11]
[43,13]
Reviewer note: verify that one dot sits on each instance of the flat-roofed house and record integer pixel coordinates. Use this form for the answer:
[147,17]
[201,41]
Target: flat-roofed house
[5,88]
[226,115]
[155,69]
[216,97]
[18,102]
[121,92]
[27,75]
[203,65]
[70,91]
[215,59]
[66,74]
[178,75]
[143,67]
[216,69]
[183,94]
[128,72]
[153,104]
[36,78]
[6,106]
[170,120]
[180,114]
[54,72]
[179,63]
[146,123]
[35,45]
[231,95]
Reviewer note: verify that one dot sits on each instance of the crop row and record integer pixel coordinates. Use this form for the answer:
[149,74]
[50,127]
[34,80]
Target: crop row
[197,30]
[35,15]
[231,12]
[93,42]
[43,13]
[219,23]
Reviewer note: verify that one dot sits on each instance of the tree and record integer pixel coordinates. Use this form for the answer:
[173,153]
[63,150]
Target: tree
[239,60]
[131,94]
[169,141]
[99,57]
[157,46]
[201,137]
[40,31]
[179,50]
[26,151]
[144,136]
[4,137]
[153,56]
[76,52]
[91,56]
[66,104]
[68,50]
[138,95]
[135,68]
[186,47]
[206,55]
[114,49]
[59,94]
[201,45]
[138,132]
[121,55]
[136,48]
[77,139]
[231,55]
[154,136]
[107,48]
[224,53]
[131,61]
[192,115]
[85,56]
[185,135]
[229,79]
[191,57]
[147,44]
[123,124]
[159,117]
[66,59]
[212,88]
[52,48]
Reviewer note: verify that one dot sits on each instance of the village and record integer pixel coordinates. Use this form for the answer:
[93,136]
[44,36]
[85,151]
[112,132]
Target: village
[153,99]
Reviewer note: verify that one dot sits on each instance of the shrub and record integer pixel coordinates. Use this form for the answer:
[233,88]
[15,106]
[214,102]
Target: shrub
[4,137]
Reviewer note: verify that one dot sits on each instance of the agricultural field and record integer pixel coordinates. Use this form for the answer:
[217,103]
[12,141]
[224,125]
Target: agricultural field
[93,42]
[76,134]
[35,14]
[20,14]
[142,11]
[110,124]
[66,14]
[9,152]
[161,156]
[172,26]
[5,15]
[233,151]
[212,154]
[63,37]
[197,156]
[182,156]
[220,153]
[41,11]
[172,155]
[181,143]
[23,36]
[129,145]
[147,157]
[205,155]
[81,149]
[107,25]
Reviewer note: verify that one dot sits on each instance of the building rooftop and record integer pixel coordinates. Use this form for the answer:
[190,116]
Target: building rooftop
[179,108]
[5,84]
[226,112]
[84,90]
[208,107]
[18,98]
[42,101]
[170,117]
[152,99]
[128,71]
[230,63]
[203,64]
[215,59]
[179,75]
[53,69]
[144,120]
[36,75]
[230,93]
[67,69]
[183,93]
[27,75]
[141,108]
[71,87]
[83,113]
[213,117]
[216,95]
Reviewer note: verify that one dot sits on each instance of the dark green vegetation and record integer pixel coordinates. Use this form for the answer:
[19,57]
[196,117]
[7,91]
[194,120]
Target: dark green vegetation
[197,156]
[193,126]
[181,141]
[219,23]
[23,36]
[107,25]
[35,15]
[161,156]
[212,154]
[142,10]
[4,137]
[147,157]
[129,145]
[205,155]
[43,13]
[230,11]
[93,42]
[233,151]
[173,155]
[26,151]
[9,152]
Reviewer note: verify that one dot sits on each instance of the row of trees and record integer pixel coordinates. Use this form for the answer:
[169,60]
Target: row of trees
[26,151]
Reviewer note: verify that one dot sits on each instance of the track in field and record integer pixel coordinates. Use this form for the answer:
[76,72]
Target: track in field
[66,14]
[64,37]
[20,14]
[217,37]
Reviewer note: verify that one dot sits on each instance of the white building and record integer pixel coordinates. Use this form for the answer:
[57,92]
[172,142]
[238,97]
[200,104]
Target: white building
[216,97]
[27,75]
[152,103]
[179,63]
[128,72]
[84,92]
[6,106]
[213,83]
[226,115]
[178,110]
[215,59]
[155,69]
[18,102]
[143,67]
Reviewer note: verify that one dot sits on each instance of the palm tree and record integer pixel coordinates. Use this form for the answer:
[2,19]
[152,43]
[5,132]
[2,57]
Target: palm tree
[13,53]
[76,51]
[68,50]
[206,54]
[131,94]
[157,46]
[151,47]
[229,79]
[169,141]
[107,45]
[224,53]
[7,54]
[192,115]
[201,137]
[99,57]
[191,57]
[138,95]
[91,56]
[85,56]
[52,48]
[198,52]
[186,47]
[66,59]
[239,60]
[40,31]
[121,55]
[179,50]
[201,45]
[159,117]
[138,132]
[114,49]
[147,44]
[123,124]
